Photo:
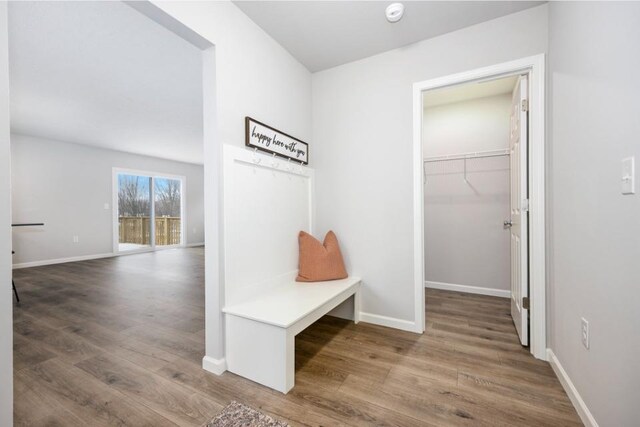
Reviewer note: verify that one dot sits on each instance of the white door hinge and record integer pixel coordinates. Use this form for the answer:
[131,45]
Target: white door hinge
[525,105]
[525,205]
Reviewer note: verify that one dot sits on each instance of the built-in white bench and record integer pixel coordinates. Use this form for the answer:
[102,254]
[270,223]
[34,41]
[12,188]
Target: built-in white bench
[267,201]
[261,330]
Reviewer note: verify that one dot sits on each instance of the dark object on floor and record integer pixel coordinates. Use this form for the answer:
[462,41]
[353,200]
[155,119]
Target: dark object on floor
[238,415]
[15,291]
[26,224]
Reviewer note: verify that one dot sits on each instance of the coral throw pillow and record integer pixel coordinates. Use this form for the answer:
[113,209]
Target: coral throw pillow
[320,261]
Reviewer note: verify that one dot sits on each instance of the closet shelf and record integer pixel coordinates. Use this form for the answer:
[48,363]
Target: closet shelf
[466,156]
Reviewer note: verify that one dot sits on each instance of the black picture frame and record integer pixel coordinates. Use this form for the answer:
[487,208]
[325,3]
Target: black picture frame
[249,135]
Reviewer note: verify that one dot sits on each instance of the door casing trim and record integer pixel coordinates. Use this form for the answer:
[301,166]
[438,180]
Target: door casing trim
[534,66]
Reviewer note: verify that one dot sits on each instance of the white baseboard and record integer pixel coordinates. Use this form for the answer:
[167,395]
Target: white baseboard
[581,407]
[194,245]
[61,260]
[215,366]
[96,256]
[390,322]
[468,289]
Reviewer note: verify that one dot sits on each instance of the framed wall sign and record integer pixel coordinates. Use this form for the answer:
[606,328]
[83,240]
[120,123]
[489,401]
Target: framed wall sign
[265,138]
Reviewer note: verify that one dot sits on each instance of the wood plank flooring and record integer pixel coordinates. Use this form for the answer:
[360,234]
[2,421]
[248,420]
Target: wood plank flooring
[119,341]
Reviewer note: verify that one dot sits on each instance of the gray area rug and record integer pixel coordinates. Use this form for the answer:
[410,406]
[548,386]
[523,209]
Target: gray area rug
[238,415]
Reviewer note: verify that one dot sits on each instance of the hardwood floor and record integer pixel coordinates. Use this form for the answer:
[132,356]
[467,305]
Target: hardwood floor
[119,341]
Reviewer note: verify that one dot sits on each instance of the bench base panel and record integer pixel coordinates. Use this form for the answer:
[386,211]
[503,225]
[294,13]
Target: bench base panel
[265,353]
[261,352]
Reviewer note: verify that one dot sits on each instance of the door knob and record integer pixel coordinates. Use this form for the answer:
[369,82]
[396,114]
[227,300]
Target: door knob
[508,223]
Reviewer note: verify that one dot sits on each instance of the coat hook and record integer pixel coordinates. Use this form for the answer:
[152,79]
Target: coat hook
[256,159]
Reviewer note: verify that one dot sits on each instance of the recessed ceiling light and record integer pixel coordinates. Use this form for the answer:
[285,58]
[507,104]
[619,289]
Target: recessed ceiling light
[394,12]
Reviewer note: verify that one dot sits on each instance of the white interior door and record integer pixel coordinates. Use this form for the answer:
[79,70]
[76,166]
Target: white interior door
[518,223]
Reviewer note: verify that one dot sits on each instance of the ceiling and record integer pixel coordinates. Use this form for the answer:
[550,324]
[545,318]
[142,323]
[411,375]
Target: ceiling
[324,34]
[469,91]
[102,74]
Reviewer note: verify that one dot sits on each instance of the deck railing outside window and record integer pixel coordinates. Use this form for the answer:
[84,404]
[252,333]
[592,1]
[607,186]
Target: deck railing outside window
[135,229]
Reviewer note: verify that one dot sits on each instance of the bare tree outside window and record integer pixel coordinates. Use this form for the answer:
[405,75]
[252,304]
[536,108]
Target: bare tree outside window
[137,227]
[167,197]
[133,195]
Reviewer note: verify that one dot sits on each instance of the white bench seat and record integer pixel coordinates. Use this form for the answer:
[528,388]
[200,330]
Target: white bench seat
[285,305]
[260,331]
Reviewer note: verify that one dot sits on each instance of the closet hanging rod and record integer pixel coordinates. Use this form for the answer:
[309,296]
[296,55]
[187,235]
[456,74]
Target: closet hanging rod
[465,156]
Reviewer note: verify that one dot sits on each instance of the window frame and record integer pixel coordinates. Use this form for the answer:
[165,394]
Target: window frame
[116,171]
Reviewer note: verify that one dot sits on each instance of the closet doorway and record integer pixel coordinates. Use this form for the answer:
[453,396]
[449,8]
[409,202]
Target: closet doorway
[480,218]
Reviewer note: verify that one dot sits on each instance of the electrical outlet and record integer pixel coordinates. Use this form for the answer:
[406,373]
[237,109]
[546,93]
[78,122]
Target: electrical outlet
[76,239]
[106,206]
[585,333]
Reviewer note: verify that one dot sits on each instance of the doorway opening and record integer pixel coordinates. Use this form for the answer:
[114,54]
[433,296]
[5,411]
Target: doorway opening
[107,304]
[479,191]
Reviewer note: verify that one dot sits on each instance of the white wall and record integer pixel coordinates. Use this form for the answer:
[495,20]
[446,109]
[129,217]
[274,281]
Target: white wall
[6,296]
[465,241]
[595,236]
[362,142]
[255,75]
[66,186]
[480,124]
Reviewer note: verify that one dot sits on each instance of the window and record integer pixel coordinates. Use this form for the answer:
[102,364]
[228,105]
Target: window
[168,211]
[149,211]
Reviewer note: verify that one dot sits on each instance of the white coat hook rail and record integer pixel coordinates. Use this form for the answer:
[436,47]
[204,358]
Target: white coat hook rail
[291,165]
[293,168]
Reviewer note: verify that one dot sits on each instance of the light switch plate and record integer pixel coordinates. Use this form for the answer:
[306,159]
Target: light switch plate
[584,332]
[628,176]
